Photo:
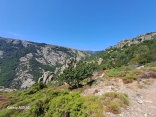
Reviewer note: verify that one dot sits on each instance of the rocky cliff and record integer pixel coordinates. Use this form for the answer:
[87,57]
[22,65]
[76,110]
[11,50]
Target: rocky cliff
[23,62]
[138,39]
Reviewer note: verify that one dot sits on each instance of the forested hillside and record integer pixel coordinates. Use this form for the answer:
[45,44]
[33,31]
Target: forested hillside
[23,62]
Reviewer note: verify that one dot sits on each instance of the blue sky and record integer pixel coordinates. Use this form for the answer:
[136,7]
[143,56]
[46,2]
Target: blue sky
[80,24]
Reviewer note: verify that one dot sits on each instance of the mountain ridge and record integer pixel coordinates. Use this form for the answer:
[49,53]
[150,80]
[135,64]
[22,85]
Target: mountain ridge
[23,62]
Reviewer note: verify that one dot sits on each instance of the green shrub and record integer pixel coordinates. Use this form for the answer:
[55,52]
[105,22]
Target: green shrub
[129,78]
[127,68]
[93,106]
[36,87]
[131,75]
[152,64]
[66,105]
[115,72]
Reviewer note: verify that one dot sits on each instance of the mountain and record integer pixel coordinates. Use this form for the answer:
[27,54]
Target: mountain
[115,82]
[23,62]
[92,52]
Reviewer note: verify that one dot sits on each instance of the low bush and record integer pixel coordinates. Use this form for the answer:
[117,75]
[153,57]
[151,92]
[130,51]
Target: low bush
[93,106]
[114,101]
[36,87]
[69,105]
[115,72]
[129,78]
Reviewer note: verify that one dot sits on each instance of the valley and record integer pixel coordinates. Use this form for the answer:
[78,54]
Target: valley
[54,81]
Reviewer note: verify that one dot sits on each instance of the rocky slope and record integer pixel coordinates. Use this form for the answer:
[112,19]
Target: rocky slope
[141,95]
[138,39]
[23,62]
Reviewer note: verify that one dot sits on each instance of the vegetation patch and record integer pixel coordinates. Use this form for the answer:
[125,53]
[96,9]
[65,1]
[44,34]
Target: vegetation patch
[114,72]
[93,106]
[129,78]
[113,101]
[46,102]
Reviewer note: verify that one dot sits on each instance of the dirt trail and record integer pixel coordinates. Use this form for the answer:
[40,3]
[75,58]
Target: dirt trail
[142,97]
[142,102]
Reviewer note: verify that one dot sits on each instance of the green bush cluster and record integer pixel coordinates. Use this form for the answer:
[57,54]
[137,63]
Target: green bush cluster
[36,87]
[51,103]
[73,75]
[130,77]
[114,72]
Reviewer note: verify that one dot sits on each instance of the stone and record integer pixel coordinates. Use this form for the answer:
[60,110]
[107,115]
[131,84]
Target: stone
[139,101]
[145,115]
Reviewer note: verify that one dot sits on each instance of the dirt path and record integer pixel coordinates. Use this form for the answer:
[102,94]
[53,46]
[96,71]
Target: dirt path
[142,102]
[142,97]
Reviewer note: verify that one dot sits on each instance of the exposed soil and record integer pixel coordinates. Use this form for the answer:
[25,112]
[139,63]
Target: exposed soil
[142,96]
[3,99]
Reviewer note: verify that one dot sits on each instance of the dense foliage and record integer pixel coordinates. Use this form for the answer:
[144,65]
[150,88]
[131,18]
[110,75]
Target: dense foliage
[42,101]
[76,73]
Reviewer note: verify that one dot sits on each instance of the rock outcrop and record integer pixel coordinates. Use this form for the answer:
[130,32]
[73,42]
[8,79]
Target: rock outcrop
[46,77]
[137,40]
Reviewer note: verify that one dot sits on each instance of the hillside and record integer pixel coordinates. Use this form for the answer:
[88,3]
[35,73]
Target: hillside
[136,54]
[23,62]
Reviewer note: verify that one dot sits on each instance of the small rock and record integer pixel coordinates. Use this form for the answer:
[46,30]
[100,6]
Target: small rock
[128,108]
[145,115]
[140,101]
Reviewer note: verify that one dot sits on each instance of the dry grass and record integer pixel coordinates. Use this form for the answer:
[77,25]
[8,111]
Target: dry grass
[136,85]
[148,81]
[113,101]
[141,86]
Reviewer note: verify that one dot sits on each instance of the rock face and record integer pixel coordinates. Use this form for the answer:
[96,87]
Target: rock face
[46,77]
[139,39]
